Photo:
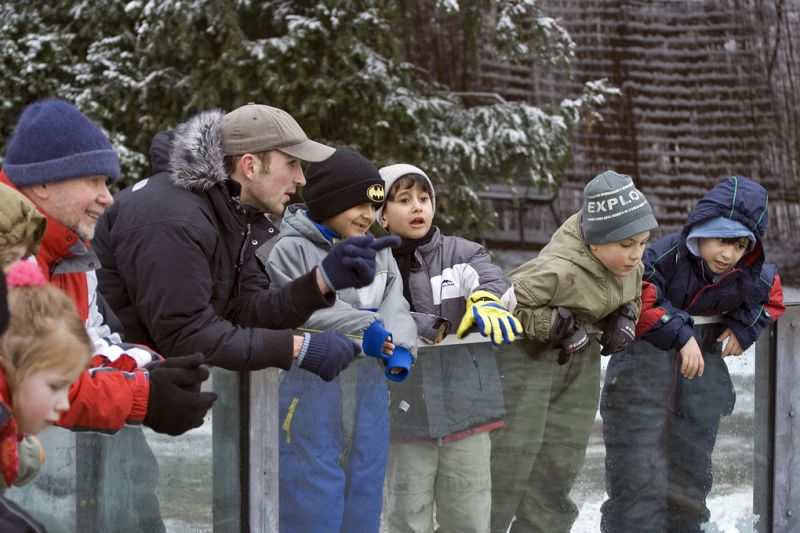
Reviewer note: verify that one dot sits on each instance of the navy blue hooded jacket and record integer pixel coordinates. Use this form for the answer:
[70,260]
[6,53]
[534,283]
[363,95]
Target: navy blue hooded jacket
[678,284]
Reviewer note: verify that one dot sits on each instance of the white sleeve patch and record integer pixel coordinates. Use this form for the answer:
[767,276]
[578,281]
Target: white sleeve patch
[99,332]
[458,281]
[509,299]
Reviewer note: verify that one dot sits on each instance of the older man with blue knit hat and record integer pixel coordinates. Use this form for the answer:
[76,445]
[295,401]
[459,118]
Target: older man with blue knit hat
[59,157]
[62,161]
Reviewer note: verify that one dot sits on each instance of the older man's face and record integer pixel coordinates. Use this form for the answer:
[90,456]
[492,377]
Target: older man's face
[78,203]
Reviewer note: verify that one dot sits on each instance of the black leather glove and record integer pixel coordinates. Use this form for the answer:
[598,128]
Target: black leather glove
[351,262]
[620,330]
[328,354]
[567,331]
[176,404]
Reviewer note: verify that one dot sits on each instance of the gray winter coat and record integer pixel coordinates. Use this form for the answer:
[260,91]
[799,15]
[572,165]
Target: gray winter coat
[452,389]
[300,246]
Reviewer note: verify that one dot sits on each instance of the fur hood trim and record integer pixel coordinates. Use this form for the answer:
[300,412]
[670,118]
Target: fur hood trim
[196,160]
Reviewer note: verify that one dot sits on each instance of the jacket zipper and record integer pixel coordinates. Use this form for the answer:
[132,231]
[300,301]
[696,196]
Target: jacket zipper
[240,263]
[701,291]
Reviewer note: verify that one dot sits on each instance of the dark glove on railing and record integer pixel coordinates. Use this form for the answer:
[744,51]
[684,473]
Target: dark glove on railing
[351,262]
[175,403]
[328,354]
[567,330]
[620,330]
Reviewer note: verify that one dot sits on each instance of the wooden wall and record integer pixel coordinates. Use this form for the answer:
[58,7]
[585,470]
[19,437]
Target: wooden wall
[710,88]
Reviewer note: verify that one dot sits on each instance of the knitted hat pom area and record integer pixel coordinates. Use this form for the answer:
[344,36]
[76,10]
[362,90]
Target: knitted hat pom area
[25,274]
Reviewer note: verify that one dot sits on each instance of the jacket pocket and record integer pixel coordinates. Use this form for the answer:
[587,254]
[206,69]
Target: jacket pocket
[709,396]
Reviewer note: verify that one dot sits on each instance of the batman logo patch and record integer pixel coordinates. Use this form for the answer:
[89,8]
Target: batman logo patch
[375,193]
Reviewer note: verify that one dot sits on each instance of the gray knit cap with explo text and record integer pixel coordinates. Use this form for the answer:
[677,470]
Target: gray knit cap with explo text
[614,209]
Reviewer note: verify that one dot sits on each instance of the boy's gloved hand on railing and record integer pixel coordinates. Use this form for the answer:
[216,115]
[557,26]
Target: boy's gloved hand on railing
[620,330]
[493,320]
[431,328]
[398,363]
[567,331]
[351,262]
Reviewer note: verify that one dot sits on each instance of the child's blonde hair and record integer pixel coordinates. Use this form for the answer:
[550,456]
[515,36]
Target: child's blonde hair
[45,330]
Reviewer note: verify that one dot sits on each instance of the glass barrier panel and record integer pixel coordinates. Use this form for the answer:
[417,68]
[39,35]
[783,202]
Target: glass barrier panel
[140,481]
[784,425]
[137,480]
[665,438]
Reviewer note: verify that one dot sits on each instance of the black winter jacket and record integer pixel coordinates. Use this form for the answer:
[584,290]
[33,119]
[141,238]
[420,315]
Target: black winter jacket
[179,264]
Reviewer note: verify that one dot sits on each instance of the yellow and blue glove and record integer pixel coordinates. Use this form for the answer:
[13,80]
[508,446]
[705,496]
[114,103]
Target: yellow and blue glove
[493,320]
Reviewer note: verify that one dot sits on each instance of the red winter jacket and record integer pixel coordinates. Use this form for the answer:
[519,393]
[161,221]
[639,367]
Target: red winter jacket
[9,458]
[113,392]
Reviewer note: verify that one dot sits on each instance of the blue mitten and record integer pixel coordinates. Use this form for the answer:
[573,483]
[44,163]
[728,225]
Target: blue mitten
[402,359]
[351,262]
[372,344]
[328,354]
[374,337]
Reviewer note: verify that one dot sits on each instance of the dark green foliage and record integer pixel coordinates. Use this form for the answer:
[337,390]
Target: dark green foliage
[338,66]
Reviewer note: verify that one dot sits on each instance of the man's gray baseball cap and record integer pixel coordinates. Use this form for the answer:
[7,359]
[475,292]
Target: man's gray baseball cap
[255,128]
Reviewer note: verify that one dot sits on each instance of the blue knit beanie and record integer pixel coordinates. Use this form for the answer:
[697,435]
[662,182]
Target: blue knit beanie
[54,142]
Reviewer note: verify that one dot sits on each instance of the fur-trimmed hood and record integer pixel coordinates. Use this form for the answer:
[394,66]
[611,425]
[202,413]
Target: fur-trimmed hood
[196,159]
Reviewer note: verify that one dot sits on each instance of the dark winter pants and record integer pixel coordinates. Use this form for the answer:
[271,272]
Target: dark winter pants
[660,430]
[334,447]
[550,410]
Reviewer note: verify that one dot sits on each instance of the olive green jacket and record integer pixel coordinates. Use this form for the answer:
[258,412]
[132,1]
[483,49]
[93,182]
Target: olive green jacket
[567,274]
[20,221]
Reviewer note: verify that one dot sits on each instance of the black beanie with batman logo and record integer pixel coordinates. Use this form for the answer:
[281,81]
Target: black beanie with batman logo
[344,180]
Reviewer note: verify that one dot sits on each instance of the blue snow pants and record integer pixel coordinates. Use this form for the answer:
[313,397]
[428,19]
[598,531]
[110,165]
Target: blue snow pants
[660,430]
[334,446]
